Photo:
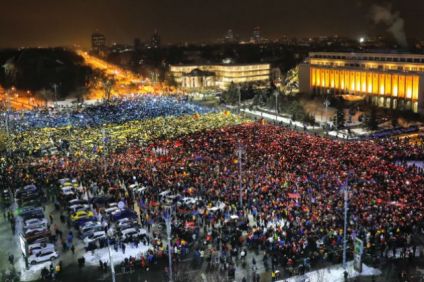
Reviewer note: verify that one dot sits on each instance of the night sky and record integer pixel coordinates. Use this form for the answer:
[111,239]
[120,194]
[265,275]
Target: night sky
[67,22]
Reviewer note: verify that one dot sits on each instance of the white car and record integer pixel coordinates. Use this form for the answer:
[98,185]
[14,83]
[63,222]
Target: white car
[35,222]
[132,232]
[111,210]
[67,191]
[43,255]
[77,202]
[88,225]
[125,221]
[40,247]
[78,207]
[94,237]
[35,229]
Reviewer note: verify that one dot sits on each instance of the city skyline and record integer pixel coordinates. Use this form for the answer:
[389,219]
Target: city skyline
[58,23]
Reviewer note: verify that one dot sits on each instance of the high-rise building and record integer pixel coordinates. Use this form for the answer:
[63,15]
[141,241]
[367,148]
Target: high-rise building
[98,41]
[137,44]
[229,36]
[155,40]
[388,80]
[256,35]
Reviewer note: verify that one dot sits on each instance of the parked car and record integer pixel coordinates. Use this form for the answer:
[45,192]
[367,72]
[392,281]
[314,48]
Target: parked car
[35,248]
[132,233]
[90,229]
[84,220]
[81,214]
[35,222]
[31,212]
[124,213]
[36,236]
[125,221]
[78,207]
[42,256]
[77,202]
[94,237]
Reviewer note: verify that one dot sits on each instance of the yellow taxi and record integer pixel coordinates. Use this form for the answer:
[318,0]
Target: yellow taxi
[81,214]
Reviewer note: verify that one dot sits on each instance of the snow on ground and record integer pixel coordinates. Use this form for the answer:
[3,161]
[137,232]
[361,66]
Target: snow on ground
[333,274]
[279,118]
[341,134]
[34,271]
[117,257]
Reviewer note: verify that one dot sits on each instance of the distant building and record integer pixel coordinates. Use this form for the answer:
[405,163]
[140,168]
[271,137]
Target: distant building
[137,44]
[388,80]
[256,35]
[98,42]
[229,36]
[155,40]
[219,75]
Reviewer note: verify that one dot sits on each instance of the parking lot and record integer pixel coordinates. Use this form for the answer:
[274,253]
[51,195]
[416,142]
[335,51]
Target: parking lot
[58,227]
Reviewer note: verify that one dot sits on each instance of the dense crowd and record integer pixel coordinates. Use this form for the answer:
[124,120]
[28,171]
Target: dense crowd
[116,111]
[88,142]
[292,188]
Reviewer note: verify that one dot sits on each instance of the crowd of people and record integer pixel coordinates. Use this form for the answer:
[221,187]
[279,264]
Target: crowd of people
[115,111]
[292,184]
[88,142]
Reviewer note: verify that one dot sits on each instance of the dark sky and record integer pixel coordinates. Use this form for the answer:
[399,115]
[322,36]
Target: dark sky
[65,22]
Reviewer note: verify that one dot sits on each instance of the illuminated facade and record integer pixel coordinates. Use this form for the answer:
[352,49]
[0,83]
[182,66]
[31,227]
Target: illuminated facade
[219,75]
[389,80]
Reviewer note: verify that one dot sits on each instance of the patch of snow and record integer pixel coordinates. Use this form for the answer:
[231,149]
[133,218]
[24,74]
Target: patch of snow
[333,274]
[34,271]
[92,258]
[279,119]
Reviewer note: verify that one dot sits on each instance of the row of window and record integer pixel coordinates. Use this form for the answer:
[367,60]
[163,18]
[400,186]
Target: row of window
[369,65]
[386,84]
[372,58]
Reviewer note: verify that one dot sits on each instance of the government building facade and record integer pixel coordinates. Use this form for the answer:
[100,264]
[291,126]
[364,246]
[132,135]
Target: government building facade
[388,80]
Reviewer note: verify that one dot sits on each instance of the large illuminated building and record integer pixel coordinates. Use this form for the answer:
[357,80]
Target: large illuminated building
[388,80]
[221,76]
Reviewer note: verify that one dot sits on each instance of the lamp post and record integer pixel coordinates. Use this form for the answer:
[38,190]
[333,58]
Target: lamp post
[346,209]
[240,152]
[239,98]
[168,221]
[7,114]
[276,105]
[55,85]
[112,267]
[326,104]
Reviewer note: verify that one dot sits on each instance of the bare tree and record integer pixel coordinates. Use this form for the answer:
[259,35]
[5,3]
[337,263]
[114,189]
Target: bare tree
[47,95]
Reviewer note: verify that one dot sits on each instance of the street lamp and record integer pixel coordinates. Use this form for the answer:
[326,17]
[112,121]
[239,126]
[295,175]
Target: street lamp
[112,267]
[239,98]
[346,209]
[326,104]
[55,85]
[240,152]
[276,105]
[167,216]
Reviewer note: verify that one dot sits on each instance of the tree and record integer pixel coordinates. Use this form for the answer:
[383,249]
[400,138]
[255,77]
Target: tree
[394,119]
[371,121]
[296,110]
[107,86]
[46,94]
[339,121]
[4,141]
[170,80]
[231,96]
